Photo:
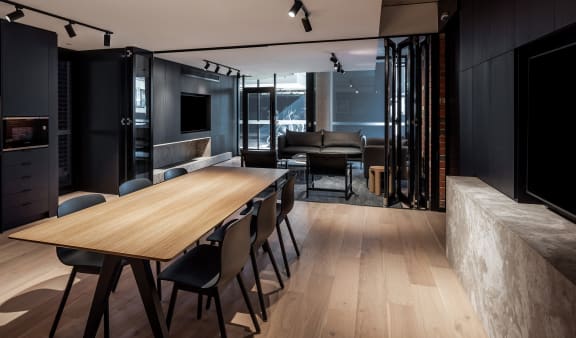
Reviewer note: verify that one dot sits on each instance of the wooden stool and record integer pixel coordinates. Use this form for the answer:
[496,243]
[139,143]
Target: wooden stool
[374,178]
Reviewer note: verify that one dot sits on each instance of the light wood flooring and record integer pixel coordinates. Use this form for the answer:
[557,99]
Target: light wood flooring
[364,272]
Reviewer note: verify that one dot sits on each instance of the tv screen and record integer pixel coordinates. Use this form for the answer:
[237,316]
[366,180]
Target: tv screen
[551,132]
[194,112]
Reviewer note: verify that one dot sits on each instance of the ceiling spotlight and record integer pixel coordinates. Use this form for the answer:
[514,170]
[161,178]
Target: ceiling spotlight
[229,72]
[356,91]
[207,65]
[16,15]
[217,69]
[107,39]
[306,23]
[238,73]
[70,30]
[295,8]
[333,58]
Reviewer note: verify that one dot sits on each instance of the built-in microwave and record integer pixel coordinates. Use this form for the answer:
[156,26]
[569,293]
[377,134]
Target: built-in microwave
[25,132]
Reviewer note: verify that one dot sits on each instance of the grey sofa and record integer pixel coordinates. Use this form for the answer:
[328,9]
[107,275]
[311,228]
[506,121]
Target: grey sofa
[349,143]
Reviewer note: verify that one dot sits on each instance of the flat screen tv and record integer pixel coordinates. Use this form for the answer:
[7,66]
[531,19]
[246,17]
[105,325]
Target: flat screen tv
[551,129]
[194,112]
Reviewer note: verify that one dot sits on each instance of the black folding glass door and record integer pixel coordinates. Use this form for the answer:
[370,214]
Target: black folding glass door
[408,116]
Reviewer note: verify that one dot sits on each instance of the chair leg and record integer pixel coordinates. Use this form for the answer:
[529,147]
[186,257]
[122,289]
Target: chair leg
[63,302]
[117,278]
[274,265]
[248,304]
[158,281]
[171,306]
[199,307]
[216,297]
[107,321]
[292,236]
[208,302]
[258,284]
[283,249]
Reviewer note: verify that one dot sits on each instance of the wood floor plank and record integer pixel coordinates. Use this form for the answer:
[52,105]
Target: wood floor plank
[364,272]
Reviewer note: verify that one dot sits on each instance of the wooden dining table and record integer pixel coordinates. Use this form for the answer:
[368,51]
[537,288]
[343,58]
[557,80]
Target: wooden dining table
[156,223]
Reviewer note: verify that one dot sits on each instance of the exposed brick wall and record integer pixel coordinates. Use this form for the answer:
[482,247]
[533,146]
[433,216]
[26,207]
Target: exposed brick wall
[442,122]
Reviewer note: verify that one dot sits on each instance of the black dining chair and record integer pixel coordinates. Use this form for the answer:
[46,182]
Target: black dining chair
[205,269]
[133,185]
[258,158]
[174,172]
[81,261]
[282,210]
[261,227]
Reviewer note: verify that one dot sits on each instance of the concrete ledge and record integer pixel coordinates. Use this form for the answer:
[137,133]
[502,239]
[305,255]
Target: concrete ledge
[515,261]
[198,163]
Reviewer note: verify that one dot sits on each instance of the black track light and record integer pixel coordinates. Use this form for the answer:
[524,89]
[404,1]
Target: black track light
[16,15]
[107,39]
[217,69]
[295,8]
[229,72]
[70,30]
[334,59]
[306,23]
[207,65]
[238,73]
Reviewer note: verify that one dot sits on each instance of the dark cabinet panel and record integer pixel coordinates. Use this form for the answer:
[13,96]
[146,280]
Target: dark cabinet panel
[26,67]
[534,18]
[502,21]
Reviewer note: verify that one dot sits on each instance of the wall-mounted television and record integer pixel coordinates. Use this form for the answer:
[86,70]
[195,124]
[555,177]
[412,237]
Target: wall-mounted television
[194,112]
[550,111]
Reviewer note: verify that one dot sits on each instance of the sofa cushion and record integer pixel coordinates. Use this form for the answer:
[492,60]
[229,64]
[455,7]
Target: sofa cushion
[307,139]
[375,141]
[342,139]
[342,150]
[300,149]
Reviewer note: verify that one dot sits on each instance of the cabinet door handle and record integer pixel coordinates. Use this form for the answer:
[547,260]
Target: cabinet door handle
[26,177]
[25,190]
[26,163]
[25,204]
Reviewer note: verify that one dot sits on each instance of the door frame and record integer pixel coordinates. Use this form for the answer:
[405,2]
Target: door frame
[259,90]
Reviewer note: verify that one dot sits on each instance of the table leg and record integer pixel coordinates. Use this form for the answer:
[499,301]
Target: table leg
[105,285]
[371,180]
[150,299]
[377,183]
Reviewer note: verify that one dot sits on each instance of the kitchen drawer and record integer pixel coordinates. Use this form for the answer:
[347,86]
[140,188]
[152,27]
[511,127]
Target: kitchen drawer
[24,197]
[24,213]
[21,171]
[24,183]
[30,157]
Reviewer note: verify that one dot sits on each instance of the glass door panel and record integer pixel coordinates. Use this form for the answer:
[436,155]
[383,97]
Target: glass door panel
[258,107]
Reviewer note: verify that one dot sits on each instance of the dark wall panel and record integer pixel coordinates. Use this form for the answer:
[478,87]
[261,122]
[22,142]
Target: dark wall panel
[489,32]
[467,165]
[501,123]
[169,83]
[565,12]
[534,18]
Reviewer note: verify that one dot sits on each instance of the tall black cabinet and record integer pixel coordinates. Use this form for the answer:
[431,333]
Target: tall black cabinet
[28,89]
[112,136]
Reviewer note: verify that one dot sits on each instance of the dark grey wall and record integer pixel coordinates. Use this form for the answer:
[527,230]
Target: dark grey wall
[489,32]
[168,83]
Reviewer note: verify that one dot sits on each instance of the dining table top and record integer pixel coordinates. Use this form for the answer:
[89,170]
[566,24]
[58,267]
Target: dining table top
[160,221]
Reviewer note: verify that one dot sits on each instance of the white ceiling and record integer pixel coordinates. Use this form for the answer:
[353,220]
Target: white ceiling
[183,24]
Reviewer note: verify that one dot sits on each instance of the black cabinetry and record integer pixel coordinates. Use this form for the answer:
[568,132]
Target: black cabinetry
[111,103]
[28,88]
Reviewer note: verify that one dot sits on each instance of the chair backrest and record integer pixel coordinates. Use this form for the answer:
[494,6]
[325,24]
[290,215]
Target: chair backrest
[72,205]
[265,219]
[287,199]
[133,185]
[259,158]
[235,249]
[79,203]
[174,172]
[327,164]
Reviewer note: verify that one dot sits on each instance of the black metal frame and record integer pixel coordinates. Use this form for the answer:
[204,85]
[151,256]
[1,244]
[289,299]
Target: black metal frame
[347,180]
